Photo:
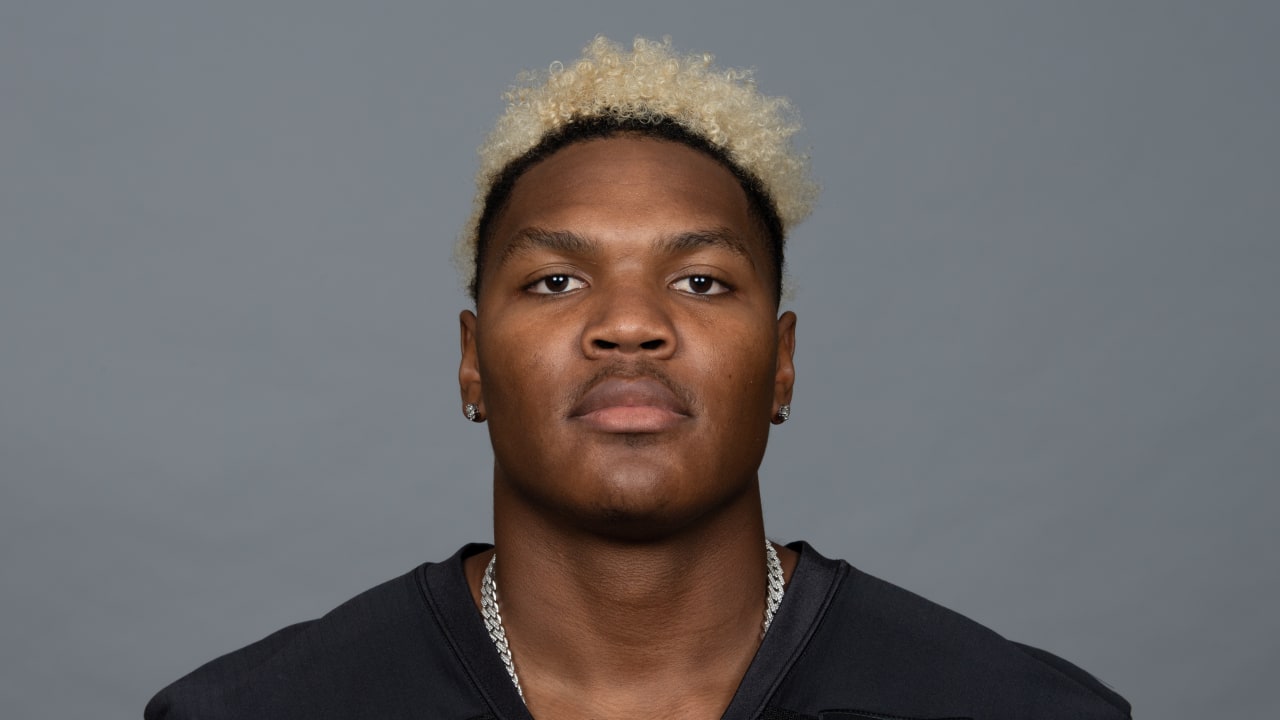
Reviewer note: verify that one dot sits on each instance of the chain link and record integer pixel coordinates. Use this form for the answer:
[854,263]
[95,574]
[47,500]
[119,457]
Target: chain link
[493,618]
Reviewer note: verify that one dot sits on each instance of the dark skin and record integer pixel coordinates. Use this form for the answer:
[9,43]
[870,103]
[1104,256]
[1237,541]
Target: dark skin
[627,353]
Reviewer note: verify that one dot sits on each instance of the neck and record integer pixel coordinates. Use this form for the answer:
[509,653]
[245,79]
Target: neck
[614,620]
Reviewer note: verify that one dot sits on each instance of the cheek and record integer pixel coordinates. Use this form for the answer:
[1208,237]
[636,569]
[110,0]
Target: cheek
[518,367]
[517,389]
[740,368]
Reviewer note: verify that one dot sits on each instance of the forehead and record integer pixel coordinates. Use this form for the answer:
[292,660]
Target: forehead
[623,187]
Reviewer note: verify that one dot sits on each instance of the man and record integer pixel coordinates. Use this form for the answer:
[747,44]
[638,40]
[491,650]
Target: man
[625,260]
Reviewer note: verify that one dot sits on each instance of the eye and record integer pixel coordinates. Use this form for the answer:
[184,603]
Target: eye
[700,285]
[557,284]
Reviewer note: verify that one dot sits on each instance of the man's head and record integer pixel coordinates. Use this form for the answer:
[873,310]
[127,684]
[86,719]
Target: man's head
[626,348]
[649,91]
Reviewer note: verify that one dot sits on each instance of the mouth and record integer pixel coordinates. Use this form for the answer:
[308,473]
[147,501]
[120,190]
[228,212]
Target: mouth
[641,405]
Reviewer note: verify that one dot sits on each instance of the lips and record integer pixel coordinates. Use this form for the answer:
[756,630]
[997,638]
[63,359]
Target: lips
[641,405]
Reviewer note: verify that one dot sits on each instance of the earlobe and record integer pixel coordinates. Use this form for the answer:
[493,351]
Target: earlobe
[469,384]
[785,372]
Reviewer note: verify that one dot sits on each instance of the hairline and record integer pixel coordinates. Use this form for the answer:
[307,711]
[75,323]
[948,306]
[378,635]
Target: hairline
[760,205]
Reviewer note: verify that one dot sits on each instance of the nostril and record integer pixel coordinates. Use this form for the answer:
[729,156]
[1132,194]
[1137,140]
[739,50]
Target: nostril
[604,344]
[651,344]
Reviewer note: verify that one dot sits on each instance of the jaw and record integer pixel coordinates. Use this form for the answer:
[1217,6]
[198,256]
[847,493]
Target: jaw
[634,487]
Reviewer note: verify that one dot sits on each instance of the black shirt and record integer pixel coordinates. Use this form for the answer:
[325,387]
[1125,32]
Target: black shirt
[843,645]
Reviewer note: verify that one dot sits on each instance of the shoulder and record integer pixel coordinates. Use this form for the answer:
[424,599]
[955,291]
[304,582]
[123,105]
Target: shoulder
[367,647]
[883,646]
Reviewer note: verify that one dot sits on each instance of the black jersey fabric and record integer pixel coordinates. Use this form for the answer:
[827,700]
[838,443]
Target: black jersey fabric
[843,646]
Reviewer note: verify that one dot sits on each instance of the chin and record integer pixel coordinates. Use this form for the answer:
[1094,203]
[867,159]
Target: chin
[611,490]
[641,507]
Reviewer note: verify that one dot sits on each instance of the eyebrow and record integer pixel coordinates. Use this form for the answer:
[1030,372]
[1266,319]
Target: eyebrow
[534,238]
[568,242]
[720,237]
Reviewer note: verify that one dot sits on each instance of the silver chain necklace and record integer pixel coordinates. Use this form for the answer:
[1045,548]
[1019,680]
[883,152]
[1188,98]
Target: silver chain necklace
[493,618]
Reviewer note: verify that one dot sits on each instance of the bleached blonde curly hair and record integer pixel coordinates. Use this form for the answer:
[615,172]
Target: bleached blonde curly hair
[649,86]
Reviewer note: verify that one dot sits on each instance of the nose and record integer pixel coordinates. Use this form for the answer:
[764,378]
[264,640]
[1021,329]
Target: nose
[629,321]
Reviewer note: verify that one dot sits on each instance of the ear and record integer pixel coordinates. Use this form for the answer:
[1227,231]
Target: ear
[784,378]
[469,367]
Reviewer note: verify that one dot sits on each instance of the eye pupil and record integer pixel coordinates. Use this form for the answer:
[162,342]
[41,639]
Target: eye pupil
[556,283]
[700,284]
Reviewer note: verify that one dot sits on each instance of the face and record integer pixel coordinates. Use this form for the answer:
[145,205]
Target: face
[625,348]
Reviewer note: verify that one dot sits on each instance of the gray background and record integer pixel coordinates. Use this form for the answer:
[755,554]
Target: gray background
[1038,341]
